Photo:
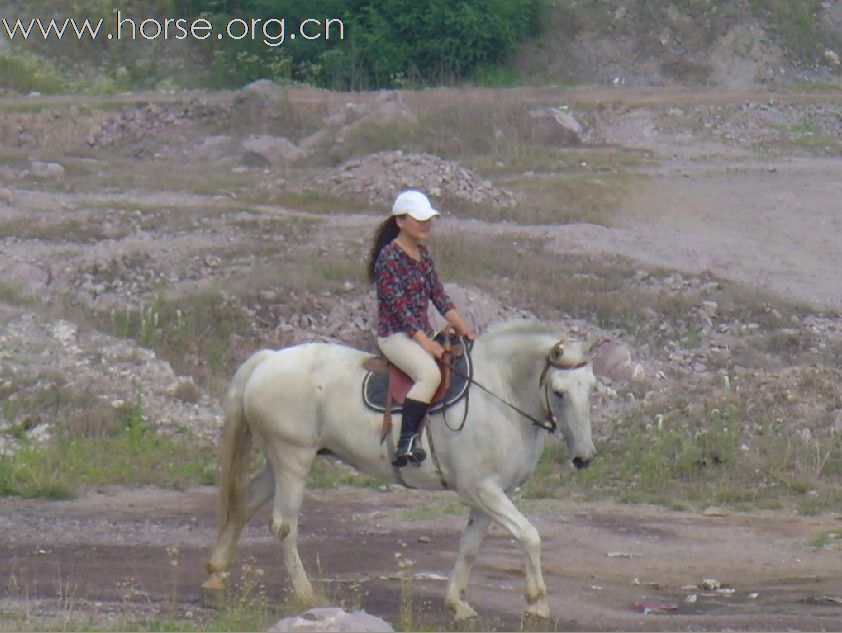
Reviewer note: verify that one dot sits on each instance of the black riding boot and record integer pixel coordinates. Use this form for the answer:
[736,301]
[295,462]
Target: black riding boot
[409,449]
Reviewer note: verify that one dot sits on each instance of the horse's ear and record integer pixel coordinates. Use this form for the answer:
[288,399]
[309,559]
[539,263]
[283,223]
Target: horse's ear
[556,352]
[591,344]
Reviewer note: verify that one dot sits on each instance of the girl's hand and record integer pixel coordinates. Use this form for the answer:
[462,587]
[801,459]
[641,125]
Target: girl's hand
[433,349]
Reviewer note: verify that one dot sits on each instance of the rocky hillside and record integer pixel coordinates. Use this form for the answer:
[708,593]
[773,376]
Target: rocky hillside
[734,44]
[729,44]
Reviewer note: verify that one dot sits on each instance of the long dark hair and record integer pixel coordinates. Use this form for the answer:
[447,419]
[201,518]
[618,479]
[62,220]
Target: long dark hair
[385,233]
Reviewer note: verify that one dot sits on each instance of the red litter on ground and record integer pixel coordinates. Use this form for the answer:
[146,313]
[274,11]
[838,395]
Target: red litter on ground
[653,606]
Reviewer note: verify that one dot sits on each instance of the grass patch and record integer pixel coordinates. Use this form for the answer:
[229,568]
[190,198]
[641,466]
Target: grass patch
[65,230]
[696,455]
[831,538]
[434,510]
[805,135]
[795,22]
[329,473]
[129,453]
[452,125]
[567,198]
[601,289]
[742,443]
[193,332]
[813,86]
[310,200]
[11,293]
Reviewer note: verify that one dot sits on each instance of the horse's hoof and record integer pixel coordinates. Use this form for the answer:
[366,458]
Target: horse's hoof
[538,610]
[462,611]
[213,598]
[213,590]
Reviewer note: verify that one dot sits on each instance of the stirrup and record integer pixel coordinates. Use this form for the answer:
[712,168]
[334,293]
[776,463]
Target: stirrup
[412,455]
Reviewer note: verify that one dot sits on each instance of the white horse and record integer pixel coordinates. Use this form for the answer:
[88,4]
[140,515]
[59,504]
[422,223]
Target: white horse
[303,399]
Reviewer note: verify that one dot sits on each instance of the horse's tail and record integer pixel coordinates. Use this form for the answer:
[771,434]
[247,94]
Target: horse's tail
[236,446]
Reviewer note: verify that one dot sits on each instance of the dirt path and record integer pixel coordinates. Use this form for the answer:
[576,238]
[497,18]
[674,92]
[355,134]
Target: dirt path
[111,553]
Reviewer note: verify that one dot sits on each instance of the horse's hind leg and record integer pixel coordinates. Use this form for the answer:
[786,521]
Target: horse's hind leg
[468,549]
[260,490]
[291,471]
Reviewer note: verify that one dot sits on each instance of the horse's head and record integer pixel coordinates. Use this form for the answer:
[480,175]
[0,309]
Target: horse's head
[568,381]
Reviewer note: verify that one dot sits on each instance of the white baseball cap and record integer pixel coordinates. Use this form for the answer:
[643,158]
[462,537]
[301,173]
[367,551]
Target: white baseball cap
[414,204]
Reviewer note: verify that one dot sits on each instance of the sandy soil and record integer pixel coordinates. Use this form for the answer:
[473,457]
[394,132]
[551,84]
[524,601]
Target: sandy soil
[111,553]
[770,224]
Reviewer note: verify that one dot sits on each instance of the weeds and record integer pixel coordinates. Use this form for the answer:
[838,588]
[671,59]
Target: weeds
[249,609]
[127,453]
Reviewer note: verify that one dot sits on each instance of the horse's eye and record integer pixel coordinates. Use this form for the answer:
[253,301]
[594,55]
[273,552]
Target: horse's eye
[559,393]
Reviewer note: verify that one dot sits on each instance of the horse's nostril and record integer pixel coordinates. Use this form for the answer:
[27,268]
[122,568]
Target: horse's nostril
[580,463]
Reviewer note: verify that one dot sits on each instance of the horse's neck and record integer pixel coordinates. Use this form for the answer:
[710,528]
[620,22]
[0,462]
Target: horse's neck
[516,370]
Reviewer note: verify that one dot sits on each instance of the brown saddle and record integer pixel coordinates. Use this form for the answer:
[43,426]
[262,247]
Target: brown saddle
[400,383]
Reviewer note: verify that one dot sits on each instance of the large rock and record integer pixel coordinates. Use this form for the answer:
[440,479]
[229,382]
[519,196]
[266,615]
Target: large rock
[275,149]
[331,619]
[46,170]
[613,360]
[478,309]
[214,146]
[386,108]
[258,95]
[554,126]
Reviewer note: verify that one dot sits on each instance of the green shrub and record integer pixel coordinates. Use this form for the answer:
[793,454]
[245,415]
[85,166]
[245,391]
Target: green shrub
[386,43]
[27,72]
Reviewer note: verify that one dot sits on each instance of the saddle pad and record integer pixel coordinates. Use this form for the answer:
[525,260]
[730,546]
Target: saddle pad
[375,384]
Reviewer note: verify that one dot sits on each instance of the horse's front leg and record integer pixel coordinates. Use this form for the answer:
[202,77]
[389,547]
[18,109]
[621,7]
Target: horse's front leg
[472,538]
[499,507]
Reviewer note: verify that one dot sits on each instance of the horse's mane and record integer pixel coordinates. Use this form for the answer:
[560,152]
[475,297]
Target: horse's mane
[519,327]
[536,336]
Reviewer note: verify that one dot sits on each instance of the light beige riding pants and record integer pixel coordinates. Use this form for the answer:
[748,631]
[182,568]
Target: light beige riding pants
[416,363]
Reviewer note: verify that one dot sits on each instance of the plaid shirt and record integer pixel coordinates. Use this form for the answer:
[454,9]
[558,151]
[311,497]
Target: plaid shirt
[405,288]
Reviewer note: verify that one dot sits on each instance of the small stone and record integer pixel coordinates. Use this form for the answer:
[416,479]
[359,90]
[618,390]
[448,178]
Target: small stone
[47,170]
[423,539]
[710,584]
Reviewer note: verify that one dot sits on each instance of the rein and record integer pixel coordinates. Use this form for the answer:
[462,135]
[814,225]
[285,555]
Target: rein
[548,424]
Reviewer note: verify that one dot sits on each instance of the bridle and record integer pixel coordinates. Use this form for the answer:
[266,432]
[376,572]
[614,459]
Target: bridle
[555,359]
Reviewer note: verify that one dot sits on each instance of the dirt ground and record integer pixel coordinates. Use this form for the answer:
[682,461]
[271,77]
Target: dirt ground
[111,553]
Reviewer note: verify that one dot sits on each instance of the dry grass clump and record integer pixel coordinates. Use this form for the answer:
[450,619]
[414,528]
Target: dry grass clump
[475,124]
[100,420]
[187,391]
[563,198]
[88,230]
[549,283]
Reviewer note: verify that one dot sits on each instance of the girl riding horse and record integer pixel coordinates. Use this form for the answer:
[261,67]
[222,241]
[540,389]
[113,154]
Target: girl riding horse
[403,271]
